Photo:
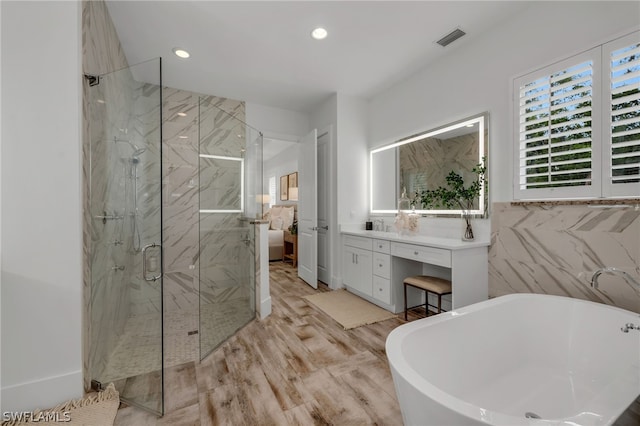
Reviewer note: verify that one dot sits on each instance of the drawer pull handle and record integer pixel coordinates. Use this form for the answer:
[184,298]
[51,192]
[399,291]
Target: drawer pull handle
[380,265]
[415,252]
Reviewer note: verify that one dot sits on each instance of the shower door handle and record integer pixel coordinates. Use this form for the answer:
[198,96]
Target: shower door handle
[144,262]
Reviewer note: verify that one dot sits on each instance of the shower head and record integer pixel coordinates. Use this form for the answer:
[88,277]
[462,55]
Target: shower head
[136,151]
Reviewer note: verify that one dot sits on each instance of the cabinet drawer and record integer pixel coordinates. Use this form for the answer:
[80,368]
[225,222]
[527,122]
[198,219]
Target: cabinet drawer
[434,256]
[381,246]
[382,289]
[360,242]
[382,265]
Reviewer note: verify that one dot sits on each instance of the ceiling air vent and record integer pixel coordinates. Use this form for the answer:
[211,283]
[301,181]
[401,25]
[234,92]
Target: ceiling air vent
[451,37]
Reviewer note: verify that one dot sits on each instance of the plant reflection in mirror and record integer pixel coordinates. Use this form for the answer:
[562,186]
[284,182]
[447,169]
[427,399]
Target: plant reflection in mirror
[455,195]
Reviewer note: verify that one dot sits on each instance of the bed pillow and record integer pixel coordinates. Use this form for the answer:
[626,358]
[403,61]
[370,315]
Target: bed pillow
[275,211]
[276,223]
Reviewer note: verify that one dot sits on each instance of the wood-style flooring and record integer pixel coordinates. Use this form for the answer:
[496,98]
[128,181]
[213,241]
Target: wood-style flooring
[296,367]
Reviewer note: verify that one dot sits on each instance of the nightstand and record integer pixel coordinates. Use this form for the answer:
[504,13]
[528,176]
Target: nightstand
[290,249]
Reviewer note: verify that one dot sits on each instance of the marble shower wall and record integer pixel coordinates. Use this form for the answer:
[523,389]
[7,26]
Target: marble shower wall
[226,249]
[555,249]
[189,184]
[181,193]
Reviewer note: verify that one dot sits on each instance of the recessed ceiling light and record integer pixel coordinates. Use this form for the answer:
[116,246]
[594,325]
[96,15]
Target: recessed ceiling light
[182,114]
[183,137]
[319,33]
[181,53]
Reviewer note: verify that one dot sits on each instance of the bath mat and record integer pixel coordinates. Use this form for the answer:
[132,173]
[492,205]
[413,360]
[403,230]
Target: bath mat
[95,409]
[347,309]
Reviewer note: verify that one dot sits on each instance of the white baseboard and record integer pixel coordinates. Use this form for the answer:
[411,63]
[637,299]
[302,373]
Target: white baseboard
[265,308]
[336,283]
[43,393]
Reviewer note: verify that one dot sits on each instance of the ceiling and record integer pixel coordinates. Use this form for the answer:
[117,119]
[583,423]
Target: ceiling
[262,52]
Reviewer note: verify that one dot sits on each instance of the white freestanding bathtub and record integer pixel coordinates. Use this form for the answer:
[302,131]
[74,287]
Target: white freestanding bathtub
[514,359]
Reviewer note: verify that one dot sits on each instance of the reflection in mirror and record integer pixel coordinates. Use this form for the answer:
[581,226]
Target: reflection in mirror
[423,161]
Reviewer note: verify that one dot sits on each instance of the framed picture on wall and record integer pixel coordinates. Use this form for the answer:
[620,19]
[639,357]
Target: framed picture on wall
[293,180]
[284,188]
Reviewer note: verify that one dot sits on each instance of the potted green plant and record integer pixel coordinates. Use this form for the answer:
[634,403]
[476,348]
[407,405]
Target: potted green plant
[293,229]
[456,195]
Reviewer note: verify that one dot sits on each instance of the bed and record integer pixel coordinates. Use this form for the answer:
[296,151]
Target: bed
[280,218]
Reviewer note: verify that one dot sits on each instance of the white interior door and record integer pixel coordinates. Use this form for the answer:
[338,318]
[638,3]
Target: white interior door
[307,209]
[324,258]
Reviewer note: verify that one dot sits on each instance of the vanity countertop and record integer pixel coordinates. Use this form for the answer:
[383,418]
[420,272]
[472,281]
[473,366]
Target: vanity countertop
[423,240]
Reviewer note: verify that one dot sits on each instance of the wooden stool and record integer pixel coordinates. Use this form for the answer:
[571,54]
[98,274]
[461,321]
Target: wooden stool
[429,284]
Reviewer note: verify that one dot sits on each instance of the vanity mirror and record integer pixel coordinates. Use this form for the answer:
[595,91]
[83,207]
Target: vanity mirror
[423,161]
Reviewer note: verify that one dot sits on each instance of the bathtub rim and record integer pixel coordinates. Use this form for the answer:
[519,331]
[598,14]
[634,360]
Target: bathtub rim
[450,402]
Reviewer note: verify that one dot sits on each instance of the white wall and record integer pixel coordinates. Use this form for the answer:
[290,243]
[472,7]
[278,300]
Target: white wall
[282,164]
[479,77]
[346,117]
[282,124]
[277,123]
[41,204]
[353,160]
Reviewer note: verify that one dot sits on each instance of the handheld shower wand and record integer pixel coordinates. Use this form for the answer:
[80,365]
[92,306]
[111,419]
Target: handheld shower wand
[133,174]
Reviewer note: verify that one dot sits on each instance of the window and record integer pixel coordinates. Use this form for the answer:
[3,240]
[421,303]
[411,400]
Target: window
[578,127]
[272,191]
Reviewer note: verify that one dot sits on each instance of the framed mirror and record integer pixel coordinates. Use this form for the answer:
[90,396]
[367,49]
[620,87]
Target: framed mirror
[423,161]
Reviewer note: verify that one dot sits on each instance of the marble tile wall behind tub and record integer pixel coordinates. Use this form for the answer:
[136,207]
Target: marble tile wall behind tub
[101,53]
[556,249]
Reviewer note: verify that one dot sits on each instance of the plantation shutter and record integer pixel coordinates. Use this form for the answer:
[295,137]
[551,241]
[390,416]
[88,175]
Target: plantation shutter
[558,141]
[622,159]
[272,191]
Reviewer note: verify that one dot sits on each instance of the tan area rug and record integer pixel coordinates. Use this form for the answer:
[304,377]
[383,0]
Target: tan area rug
[348,309]
[95,409]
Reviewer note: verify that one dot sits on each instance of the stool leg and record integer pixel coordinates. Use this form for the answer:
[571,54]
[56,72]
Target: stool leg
[405,301]
[439,303]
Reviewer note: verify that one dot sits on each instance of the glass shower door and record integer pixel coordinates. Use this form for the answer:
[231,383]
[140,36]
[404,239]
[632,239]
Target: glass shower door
[126,330]
[230,174]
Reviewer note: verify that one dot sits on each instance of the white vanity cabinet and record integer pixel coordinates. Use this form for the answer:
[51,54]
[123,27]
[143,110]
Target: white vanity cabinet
[381,271]
[367,269]
[376,263]
[357,261]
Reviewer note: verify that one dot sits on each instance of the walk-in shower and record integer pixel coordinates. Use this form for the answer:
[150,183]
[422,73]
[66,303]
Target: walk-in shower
[173,184]
[126,323]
